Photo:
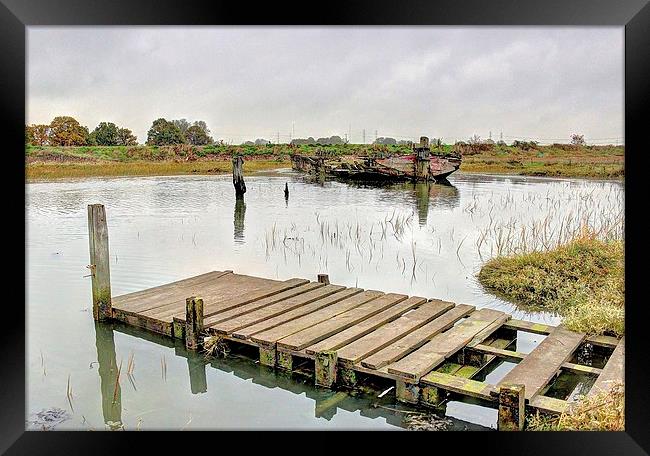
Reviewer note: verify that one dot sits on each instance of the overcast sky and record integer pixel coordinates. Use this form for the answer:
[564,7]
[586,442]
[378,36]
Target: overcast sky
[250,82]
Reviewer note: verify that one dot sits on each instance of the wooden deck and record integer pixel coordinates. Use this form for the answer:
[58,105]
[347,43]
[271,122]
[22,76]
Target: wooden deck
[427,346]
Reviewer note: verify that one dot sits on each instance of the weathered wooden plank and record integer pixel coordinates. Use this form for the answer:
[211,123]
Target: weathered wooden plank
[603,341]
[487,332]
[272,335]
[441,346]
[613,372]
[529,326]
[288,307]
[349,335]
[389,333]
[298,312]
[128,299]
[417,338]
[541,364]
[459,385]
[220,317]
[324,329]
[226,289]
[549,404]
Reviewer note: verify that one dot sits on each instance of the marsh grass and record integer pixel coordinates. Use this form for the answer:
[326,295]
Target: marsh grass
[582,280]
[604,411]
[215,346]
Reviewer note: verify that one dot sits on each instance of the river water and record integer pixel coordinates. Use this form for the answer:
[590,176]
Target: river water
[426,240]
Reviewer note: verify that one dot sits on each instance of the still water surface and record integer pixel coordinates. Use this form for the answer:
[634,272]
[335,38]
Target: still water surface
[426,240]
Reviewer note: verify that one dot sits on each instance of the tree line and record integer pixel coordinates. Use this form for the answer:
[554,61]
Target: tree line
[67,131]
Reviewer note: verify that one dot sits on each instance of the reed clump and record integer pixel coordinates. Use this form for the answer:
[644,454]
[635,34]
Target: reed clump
[582,280]
[215,346]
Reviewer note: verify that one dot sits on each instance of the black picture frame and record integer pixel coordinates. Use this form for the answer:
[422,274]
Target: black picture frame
[634,15]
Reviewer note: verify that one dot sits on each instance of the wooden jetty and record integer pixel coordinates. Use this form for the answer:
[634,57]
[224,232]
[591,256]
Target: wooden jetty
[428,347]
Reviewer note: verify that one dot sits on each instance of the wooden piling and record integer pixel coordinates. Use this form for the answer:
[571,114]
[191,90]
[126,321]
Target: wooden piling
[324,278]
[193,322]
[325,367]
[407,392]
[99,262]
[286,190]
[512,406]
[238,175]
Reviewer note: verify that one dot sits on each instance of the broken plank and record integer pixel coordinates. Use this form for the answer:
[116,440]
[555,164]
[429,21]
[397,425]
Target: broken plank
[282,310]
[387,334]
[529,326]
[324,329]
[255,305]
[613,372]
[544,362]
[440,347]
[349,335]
[272,335]
[402,347]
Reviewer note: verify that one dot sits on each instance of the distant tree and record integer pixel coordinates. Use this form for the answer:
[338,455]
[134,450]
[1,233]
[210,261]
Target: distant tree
[163,132]
[125,137]
[198,134]
[182,125]
[28,135]
[105,134]
[39,134]
[386,141]
[300,141]
[248,143]
[262,142]
[66,131]
[404,142]
[336,140]
[577,140]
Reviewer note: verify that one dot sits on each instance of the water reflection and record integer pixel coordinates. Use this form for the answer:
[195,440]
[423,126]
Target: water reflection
[327,403]
[111,391]
[240,214]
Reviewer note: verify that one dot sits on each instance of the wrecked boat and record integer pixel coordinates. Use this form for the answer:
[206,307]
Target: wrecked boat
[421,165]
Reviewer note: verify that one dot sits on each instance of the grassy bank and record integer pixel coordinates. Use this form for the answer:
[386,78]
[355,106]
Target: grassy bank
[46,171]
[601,162]
[48,162]
[583,281]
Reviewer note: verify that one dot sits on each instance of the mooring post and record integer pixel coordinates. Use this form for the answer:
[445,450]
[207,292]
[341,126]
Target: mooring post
[99,262]
[238,175]
[325,367]
[286,190]
[512,408]
[193,322]
[324,278]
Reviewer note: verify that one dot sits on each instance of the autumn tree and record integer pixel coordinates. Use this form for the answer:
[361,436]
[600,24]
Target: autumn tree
[125,137]
[38,134]
[163,132]
[66,131]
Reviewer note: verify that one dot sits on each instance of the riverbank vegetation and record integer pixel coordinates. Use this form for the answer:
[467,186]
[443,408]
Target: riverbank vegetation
[582,280]
[51,148]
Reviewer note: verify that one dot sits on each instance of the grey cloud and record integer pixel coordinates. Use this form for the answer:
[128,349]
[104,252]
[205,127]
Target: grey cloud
[248,82]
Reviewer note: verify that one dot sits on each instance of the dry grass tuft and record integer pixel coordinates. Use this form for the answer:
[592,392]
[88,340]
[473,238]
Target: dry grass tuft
[604,411]
[215,346]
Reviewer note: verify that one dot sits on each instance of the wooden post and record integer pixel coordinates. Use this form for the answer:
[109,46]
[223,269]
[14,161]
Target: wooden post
[422,160]
[325,367]
[238,176]
[324,278]
[407,392]
[268,355]
[285,361]
[99,262]
[512,407]
[193,322]
[286,190]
